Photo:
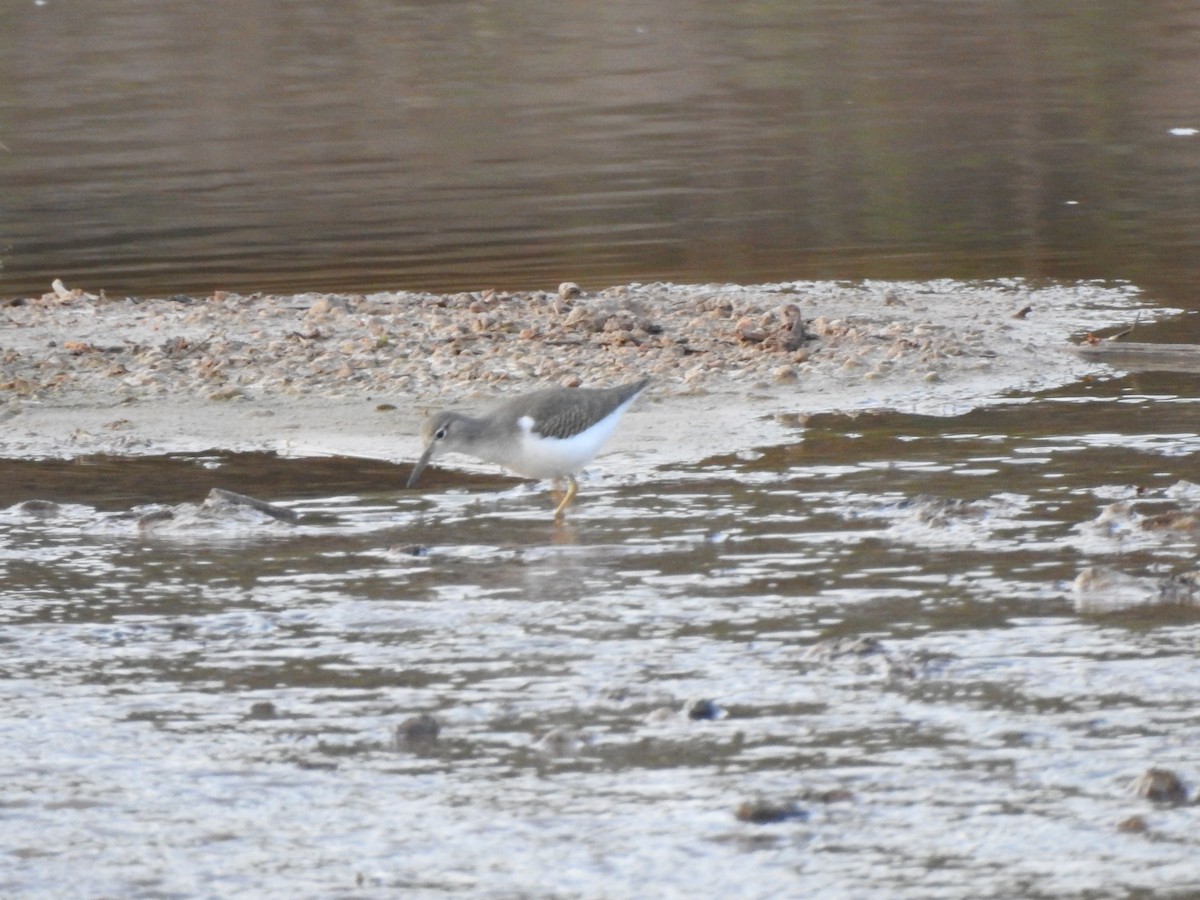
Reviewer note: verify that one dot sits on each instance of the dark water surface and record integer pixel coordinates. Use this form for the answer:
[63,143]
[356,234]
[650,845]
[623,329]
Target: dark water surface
[204,704]
[154,148]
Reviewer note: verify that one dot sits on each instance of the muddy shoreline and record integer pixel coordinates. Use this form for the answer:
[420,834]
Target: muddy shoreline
[734,366]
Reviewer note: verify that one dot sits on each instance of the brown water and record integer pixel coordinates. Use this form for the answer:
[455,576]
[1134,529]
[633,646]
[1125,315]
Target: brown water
[986,751]
[180,147]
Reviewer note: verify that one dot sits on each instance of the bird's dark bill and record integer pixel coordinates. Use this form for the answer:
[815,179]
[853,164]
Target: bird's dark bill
[420,466]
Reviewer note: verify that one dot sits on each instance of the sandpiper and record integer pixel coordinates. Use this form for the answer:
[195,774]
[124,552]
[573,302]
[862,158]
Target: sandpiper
[552,433]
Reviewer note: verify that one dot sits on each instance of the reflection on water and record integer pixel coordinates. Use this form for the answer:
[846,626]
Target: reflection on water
[111,482]
[881,612]
[462,144]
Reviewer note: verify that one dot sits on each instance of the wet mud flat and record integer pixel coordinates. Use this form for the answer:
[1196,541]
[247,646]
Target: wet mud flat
[354,374]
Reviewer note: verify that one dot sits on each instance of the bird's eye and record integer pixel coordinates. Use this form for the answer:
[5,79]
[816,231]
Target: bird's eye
[440,433]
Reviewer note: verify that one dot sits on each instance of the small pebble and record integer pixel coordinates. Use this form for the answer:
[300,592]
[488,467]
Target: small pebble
[418,733]
[766,812]
[40,508]
[151,519]
[1133,825]
[1160,786]
[702,710]
[264,709]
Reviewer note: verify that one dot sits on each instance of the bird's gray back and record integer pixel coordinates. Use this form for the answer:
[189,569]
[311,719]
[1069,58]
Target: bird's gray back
[557,419]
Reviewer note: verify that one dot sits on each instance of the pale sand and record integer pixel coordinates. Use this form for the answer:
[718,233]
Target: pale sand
[355,374]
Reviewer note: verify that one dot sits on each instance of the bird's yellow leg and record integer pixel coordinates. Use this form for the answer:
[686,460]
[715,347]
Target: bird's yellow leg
[572,490]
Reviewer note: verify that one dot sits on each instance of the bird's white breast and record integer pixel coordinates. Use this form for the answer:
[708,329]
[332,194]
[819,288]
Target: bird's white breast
[550,457]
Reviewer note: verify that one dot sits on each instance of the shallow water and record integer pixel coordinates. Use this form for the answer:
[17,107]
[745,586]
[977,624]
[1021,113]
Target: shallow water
[984,748]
